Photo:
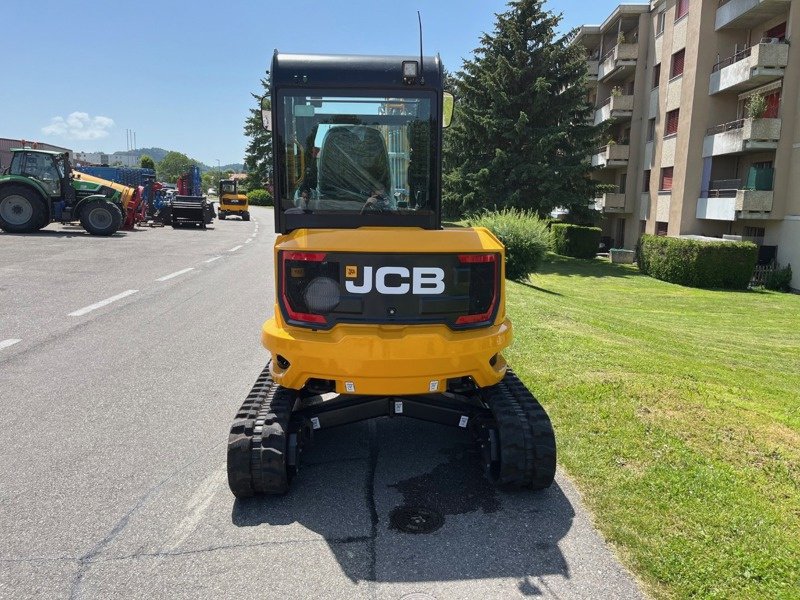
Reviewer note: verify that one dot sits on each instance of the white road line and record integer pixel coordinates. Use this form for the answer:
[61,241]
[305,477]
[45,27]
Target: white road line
[248,240]
[212,259]
[175,274]
[8,343]
[235,248]
[101,304]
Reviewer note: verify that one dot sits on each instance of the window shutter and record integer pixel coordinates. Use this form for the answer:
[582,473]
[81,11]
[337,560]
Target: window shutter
[671,127]
[682,9]
[773,105]
[678,62]
[666,179]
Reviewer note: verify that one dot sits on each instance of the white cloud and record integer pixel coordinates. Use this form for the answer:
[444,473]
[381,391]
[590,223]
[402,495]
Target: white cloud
[79,126]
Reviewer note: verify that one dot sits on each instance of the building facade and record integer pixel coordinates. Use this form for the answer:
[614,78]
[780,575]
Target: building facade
[702,98]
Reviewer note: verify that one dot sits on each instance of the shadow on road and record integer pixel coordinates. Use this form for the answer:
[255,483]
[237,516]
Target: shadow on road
[357,475]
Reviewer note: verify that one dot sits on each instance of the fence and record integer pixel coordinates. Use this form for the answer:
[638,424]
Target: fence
[761,273]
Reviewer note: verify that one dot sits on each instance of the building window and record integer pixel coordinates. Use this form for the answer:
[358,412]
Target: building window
[646,181]
[778,32]
[671,127]
[656,75]
[651,130]
[666,179]
[681,9]
[661,228]
[660,22]
[623,183]
[678,61]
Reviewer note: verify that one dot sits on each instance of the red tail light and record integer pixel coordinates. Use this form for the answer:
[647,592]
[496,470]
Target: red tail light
[476,261]
[292,312]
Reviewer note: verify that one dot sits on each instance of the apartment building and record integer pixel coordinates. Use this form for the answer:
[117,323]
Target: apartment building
[702,98]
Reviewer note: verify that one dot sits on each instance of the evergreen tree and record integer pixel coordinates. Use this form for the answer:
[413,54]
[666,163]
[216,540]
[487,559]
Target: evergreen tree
[521,135]
[258,155]
[146,162]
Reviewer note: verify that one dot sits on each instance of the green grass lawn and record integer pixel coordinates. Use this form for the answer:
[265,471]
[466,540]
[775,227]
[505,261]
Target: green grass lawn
[677,412]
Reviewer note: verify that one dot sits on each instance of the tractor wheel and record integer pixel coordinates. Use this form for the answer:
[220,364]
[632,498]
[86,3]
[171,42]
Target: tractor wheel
[259,448]
[221,215]
[245,216]
[100,217]
[521,446]
[21,210]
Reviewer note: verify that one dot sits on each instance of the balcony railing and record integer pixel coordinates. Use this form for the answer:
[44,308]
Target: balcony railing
[730,126]
[723,188]
[732,59]
[742,54]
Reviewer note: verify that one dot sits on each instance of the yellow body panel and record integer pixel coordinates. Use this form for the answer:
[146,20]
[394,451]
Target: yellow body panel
[126,192]
[389,359]
[232,208]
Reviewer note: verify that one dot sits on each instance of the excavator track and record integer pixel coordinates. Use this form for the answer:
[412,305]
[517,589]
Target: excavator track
[527,444]
[257,443]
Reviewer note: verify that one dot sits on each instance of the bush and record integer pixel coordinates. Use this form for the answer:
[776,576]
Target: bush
[259,198]
[780,280]
[697,263]
[524,235]
[575,240]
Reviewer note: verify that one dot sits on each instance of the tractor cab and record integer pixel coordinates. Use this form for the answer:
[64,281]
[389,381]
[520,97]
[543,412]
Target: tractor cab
[51,169]
[231,202]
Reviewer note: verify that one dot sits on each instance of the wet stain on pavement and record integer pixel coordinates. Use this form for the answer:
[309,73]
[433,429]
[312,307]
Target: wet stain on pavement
[455,487]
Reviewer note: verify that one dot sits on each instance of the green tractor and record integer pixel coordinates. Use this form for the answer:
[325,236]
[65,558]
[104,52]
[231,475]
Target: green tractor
[39,188]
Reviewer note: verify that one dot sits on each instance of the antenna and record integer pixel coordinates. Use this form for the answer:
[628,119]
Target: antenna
[421,69]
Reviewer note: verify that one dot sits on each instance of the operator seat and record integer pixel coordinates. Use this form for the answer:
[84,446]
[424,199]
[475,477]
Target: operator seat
[353,161]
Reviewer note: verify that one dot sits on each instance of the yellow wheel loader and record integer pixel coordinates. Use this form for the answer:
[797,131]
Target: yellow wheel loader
[231,202]
[379,311]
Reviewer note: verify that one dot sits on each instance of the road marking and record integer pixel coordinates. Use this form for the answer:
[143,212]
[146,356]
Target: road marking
[175,274]
[212,259]
[235,248]
[101,304]
[248,240]
[8,343]
[196,507]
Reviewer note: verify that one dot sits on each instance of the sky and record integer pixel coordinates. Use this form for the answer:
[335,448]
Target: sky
[79,74]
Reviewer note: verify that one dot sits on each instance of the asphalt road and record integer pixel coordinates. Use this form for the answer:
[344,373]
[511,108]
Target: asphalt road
[122,363]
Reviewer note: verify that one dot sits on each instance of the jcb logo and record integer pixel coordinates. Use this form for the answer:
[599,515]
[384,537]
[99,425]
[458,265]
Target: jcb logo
[420,281]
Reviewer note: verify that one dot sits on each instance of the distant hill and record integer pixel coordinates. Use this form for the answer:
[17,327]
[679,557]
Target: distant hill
[158,154]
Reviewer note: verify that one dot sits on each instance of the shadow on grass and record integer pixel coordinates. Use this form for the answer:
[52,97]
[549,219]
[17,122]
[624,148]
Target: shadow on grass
[528,284]
[555,264]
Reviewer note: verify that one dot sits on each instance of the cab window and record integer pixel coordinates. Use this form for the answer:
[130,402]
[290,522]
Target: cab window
[40,167]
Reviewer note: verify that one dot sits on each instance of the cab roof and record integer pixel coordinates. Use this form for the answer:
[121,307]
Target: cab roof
[51,152]
[365,72]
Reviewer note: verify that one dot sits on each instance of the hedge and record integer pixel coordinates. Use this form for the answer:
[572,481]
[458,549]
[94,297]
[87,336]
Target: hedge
[259,198]
[695,263]
[575,240]
[524,235]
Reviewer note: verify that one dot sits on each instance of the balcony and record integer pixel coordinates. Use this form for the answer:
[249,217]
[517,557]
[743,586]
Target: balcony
[612,156]
[618,63]
[750,68]
[611,203]
[592,70]
[744,135]
[746,14]
[727,201]
[615,107]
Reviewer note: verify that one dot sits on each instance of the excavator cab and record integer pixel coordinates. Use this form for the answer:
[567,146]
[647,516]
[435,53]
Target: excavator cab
[379,310]
[231,202]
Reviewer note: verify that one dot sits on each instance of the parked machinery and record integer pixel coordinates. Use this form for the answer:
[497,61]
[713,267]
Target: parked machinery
[189,206]
[141,180]
[41,188]
[231,202]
